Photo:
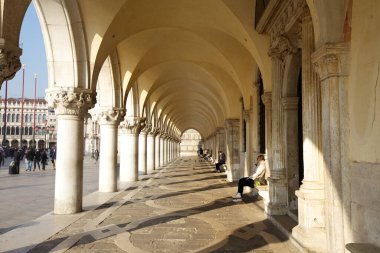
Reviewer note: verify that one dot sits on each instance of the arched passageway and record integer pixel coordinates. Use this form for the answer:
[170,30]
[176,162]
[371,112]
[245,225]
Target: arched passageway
[284,86]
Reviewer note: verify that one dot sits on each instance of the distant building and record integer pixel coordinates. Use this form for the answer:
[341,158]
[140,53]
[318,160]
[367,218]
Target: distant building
[45,121]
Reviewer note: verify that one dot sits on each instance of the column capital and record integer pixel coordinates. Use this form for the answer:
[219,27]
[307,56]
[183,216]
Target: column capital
[154,131]
[132,125]
[246,115]
[9,61]
[110,116]
[70,101]
[331,60]
[232,122]
[290,103]
[146,129]
[280,47]
[219,130]
[267,98]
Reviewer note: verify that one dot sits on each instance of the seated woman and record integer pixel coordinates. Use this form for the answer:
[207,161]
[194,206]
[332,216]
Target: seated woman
[249,181]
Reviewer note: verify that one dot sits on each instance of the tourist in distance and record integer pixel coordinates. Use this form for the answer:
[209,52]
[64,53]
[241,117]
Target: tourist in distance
[250,181]
[96,155]
[221,160]
[37,159]
[53,153]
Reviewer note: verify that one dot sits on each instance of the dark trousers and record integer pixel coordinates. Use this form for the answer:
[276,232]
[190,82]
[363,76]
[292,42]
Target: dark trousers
[245,181]
[217,166]
[38,163]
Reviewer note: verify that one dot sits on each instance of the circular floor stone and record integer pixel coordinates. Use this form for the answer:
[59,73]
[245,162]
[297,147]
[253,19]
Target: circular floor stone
[173,234]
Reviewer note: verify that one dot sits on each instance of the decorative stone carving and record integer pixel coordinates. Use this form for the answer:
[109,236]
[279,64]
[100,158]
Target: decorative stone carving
[132,125]
[111,116]
[9,64]
[331,60]
[74,102]
[282,46]
[154,131]
[146,129]
[267,99]
[246,115]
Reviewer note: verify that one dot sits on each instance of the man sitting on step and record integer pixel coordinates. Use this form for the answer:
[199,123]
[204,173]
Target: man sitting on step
[250,181]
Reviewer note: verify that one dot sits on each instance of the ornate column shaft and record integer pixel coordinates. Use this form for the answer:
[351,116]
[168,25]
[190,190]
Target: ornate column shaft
[331,63]
[158,151]
[233,149]
[281,47]
[151,149]
[108,121]
[142,154]
[247,162]
[311,231]
[267,101]
[130,128]
[70,106]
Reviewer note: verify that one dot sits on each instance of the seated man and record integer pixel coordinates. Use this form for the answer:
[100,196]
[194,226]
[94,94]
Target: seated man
[249,181]
[221,160]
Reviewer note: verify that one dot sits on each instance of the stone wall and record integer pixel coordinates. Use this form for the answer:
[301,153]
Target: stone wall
[190,142]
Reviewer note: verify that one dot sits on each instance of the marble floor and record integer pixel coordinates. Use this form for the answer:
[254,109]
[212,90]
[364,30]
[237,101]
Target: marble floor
[182,207]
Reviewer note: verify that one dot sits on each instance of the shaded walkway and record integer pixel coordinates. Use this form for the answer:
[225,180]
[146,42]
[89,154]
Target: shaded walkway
[183,207]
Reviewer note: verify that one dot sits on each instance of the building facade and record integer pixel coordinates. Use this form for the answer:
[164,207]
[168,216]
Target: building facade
[35,113]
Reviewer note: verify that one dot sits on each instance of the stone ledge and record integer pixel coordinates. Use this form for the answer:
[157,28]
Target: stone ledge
[362,248]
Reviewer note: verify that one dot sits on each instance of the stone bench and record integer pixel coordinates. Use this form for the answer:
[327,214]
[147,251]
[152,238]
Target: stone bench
[362,248]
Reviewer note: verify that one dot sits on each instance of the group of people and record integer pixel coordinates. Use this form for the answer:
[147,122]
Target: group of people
[258,175]
[33,158]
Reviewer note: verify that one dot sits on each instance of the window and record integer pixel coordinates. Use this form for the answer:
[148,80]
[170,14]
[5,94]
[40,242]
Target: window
[18,118]
[13,118]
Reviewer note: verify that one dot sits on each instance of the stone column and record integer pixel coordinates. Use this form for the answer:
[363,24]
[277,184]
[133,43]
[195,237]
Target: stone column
[108,121]
[233,149]
[331,63]
[143,150]
[151,149]
[162,150]
[70,106]
[310,230]
[290,107]
[130,128]
[221,139]
[248,151]
[267,101]
[158,151]
[277,205]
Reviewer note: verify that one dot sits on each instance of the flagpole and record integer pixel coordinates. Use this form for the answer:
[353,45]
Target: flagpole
[34,111]
[22,105]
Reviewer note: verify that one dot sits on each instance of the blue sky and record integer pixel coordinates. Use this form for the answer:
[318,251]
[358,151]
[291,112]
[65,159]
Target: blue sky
[33,57]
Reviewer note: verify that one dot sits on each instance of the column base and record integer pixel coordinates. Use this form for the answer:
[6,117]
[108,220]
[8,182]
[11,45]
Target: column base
[310,233]
[278,194]
[310,240]
[64,207]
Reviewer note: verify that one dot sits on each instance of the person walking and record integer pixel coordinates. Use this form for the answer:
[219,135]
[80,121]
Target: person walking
[17,158]
[96,155]
[2,156]
[53,152]
[37,159]
[30,157]
[44,159]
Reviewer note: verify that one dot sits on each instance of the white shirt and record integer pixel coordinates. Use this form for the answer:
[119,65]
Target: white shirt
[260,170]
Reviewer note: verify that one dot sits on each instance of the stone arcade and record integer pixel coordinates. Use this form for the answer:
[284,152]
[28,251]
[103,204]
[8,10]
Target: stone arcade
[297,80]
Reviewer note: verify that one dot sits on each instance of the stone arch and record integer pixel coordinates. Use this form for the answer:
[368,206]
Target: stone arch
[64,38]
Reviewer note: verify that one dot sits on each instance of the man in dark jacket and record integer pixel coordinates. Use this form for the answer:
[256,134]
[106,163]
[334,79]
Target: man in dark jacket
[37,159]
[17,158]
[221,160]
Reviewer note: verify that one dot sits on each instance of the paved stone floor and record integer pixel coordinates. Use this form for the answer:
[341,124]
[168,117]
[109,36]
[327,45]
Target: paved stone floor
[184,207]
[28,195]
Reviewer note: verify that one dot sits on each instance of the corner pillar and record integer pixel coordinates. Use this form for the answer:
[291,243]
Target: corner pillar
[311,229]
[71,105]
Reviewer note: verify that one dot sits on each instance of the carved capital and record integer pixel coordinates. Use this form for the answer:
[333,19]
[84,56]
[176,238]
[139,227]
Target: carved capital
[281,46]
[154,131]
[290,103]
[70,101]
[232,123]
[132,125]
[267,99]
[246,115]
[331,60]
[110,116]
[9,64]
[146,129]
